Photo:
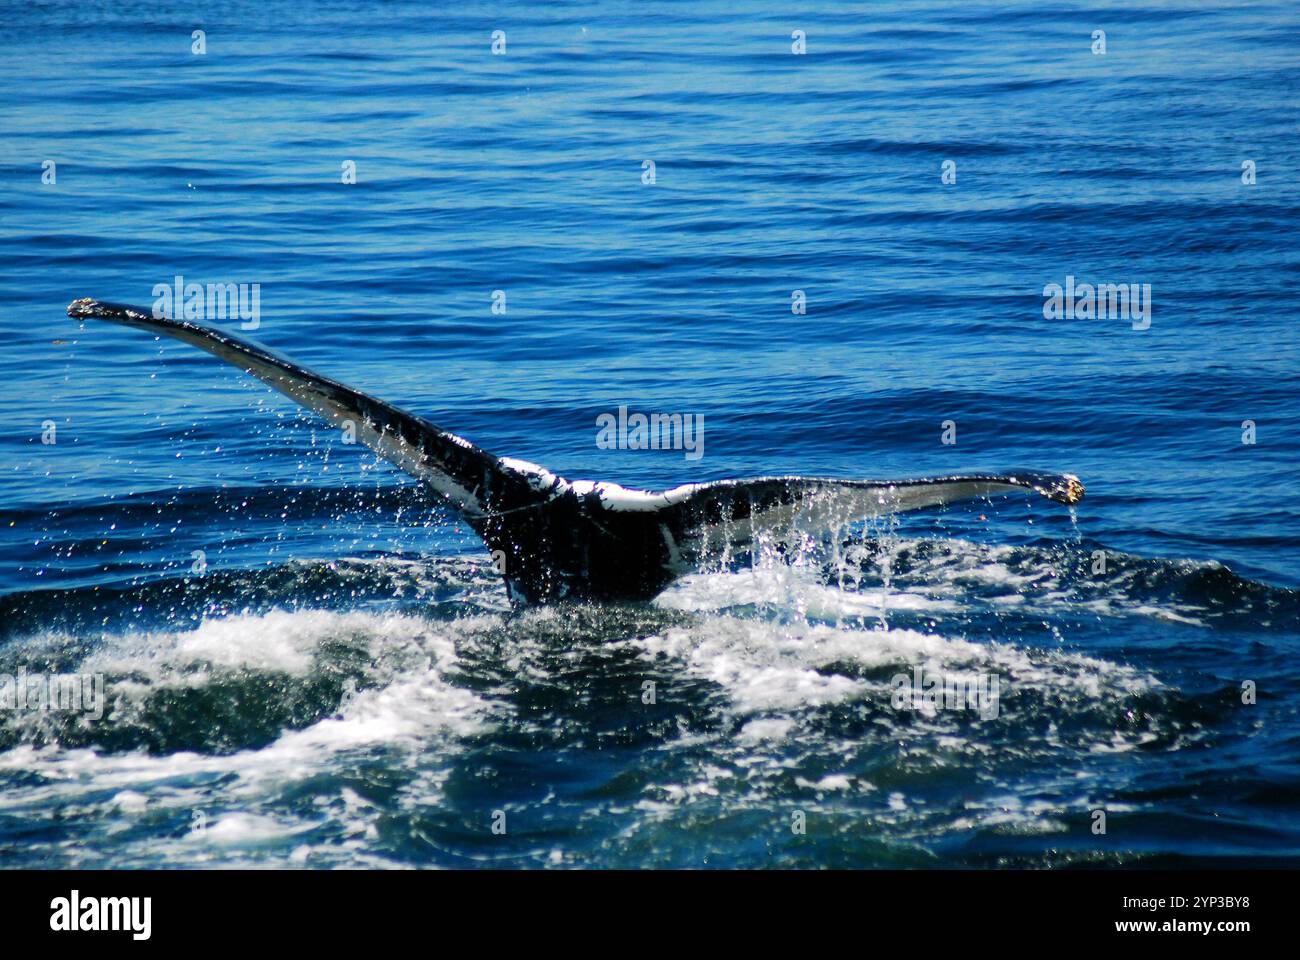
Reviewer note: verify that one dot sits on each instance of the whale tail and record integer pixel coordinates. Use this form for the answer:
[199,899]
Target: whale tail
[556,538]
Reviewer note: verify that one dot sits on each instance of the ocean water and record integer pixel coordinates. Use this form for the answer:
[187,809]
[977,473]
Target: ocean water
[345,682]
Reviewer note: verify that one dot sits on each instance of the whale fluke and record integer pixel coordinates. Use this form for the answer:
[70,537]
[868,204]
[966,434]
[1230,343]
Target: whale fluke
[584,539]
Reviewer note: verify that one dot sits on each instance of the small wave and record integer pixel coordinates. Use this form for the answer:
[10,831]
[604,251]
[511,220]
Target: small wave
[1058,577]
[239,715]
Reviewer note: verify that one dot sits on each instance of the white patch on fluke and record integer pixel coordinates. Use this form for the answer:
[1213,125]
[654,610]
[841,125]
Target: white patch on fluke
[612,495]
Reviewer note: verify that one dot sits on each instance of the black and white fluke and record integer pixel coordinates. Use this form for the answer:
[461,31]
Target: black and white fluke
[584,539]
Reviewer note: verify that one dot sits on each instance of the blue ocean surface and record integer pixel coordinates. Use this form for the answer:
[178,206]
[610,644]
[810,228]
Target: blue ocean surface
[837,258]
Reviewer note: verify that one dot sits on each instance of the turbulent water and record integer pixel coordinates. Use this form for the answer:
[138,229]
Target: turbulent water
[308,662]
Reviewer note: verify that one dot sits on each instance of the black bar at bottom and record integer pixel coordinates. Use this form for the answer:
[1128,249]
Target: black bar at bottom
[334,909]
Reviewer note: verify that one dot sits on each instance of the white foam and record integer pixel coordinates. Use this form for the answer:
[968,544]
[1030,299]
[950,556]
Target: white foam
[279,641]
[244,829]
[778,667]
[776,642]
[781,585]
[412,710]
